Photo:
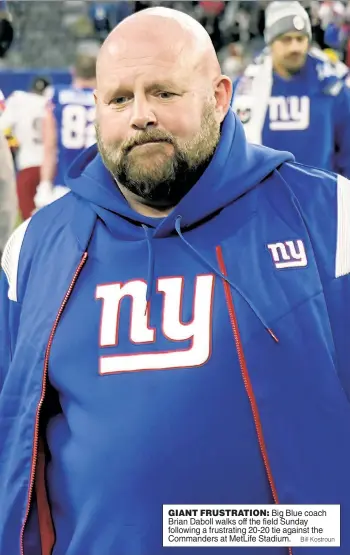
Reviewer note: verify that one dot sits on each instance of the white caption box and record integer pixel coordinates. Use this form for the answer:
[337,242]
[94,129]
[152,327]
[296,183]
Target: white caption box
[251,525]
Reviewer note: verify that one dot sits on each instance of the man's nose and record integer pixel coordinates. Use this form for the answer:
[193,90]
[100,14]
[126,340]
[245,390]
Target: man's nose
[143,115]
[295,47]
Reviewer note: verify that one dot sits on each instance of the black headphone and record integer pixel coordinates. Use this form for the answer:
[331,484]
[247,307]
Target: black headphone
[6,34]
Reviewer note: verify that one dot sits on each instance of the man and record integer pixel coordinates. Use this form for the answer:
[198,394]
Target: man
[175,329]
[68,128]
[8,201]
[24,113]
[293,98]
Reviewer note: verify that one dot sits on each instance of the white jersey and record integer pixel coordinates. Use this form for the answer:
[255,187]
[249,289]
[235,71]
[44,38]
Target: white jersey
[23,114]
[2,102]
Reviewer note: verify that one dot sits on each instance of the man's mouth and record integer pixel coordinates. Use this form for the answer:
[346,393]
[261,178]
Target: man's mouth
[294,57]
[148,143]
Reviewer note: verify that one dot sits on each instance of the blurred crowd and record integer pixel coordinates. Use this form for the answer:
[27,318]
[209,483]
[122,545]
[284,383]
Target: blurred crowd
[236,27]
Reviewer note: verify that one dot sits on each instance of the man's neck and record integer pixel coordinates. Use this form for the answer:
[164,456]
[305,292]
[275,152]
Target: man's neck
[282,72]
[139,205]
[159,209]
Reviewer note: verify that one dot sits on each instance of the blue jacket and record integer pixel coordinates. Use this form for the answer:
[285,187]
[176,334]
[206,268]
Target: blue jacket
[307,115]
[200,358]
[332,36]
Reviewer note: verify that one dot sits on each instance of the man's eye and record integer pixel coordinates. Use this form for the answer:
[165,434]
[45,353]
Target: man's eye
[120,100]
[166,94]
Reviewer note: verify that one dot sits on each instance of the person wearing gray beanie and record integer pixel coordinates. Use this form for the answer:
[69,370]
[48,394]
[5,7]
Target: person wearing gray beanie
[292,97]
[288,34]
[283,17]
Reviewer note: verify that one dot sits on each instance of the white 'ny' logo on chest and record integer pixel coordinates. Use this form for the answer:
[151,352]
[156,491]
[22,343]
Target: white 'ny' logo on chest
[290,254]
[290,113]
[198,330]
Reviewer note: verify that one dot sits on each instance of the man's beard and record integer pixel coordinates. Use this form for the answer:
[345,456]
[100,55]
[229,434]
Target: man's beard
[166,178]
[296,67]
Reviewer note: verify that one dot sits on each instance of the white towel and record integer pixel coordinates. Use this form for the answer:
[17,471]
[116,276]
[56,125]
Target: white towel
[254,102]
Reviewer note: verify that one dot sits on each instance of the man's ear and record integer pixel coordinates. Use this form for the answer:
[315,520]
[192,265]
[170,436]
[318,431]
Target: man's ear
[223,95]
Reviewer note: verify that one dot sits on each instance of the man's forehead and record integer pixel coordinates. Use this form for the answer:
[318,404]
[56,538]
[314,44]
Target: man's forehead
[292,35]
[141,61]
[144,67]
[140,58]
[162,46]
[147,78]
[125,53]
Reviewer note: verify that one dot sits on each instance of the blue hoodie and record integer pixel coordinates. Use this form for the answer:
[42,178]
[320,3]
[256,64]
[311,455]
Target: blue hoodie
[173,361]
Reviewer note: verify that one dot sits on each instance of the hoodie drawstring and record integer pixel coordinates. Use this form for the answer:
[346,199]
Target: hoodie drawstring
[223,277]
[150,273]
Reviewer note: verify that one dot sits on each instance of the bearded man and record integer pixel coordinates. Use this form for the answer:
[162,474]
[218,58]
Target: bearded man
[175,330]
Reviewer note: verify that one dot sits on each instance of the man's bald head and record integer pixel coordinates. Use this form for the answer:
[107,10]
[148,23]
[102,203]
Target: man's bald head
[168,32]
[160,100]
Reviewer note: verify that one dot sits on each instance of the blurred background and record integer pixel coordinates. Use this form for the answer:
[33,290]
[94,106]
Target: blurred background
[47,33]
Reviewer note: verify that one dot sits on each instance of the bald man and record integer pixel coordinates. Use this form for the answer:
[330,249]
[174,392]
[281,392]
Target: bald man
[175,330]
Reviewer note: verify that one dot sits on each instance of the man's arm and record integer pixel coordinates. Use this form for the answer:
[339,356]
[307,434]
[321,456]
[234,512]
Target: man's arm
[337,290]
[5,343]
[323,199]
[342,132]
[7,118]
[9,306]
[8,197]
[48,168]
[44,192]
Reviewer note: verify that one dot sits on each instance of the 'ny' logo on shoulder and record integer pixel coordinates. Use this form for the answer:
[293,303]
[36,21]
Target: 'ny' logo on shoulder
[289,254]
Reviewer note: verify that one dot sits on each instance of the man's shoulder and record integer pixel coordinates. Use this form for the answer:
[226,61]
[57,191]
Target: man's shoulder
[56,213]
[53,215]
[332,76]
[54,93]
[62,95]
[323,201]
[244,82]
[16,96]
[309,181]
[49,219]
[313,186]
[10,258]
[32,234]
[326,66]
[316,188]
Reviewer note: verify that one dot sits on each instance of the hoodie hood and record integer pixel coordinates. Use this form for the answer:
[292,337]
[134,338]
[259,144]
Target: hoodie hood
[235,168]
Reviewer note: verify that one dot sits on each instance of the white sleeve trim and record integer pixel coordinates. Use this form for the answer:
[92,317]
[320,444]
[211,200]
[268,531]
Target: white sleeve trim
[342,259]
[10,258]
